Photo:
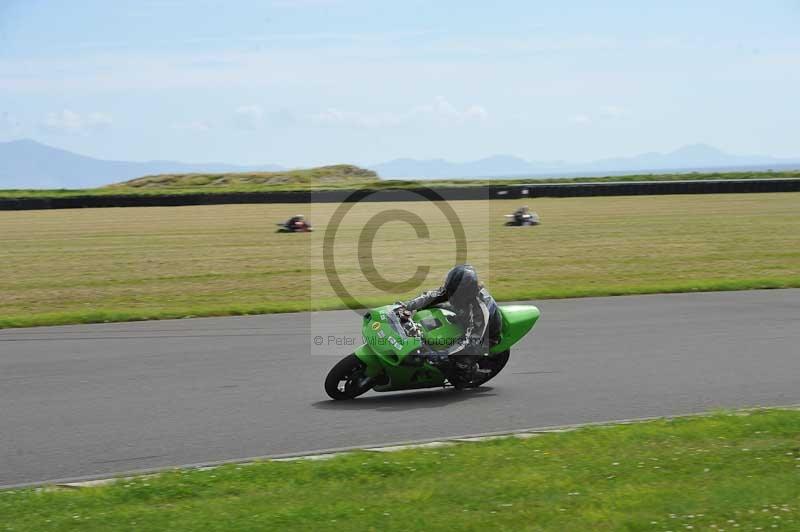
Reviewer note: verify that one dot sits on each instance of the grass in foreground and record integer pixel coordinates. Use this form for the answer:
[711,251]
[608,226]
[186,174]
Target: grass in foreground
[339,177]
[95,265]
[737,471]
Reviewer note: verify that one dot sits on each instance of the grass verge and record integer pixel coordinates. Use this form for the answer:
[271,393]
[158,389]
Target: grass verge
[118,316]
[96,265]
[244,182]
[728,471]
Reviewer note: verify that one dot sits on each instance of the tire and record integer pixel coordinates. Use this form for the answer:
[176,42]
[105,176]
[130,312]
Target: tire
[496,364]
[347,380]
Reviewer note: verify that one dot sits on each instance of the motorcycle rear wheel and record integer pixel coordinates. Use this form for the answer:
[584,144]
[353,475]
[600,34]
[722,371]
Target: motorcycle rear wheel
[495,364]
[347,379]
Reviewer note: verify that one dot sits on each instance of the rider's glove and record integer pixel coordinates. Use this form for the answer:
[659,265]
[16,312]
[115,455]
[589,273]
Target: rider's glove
[402,311]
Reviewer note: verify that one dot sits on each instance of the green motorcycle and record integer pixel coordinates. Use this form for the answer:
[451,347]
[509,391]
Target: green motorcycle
[392,357]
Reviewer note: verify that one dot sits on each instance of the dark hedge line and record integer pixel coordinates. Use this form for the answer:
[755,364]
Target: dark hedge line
[413,194]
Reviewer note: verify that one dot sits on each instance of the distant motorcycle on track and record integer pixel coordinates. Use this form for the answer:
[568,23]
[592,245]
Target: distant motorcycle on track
[522,217]
[295,224]
[392,357]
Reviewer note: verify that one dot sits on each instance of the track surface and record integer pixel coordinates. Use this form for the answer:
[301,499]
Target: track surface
[98,399]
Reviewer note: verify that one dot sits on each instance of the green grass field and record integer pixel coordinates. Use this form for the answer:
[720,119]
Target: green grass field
[337,177]
[727,472]
[90,265]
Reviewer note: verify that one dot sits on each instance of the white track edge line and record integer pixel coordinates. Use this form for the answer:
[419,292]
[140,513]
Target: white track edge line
[104,479]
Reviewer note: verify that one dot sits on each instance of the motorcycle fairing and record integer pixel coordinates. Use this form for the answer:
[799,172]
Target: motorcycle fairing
[390,351]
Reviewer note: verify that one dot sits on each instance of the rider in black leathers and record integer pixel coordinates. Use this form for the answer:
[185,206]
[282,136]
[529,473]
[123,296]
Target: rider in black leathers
[521,214]
[297,222]
[476,311]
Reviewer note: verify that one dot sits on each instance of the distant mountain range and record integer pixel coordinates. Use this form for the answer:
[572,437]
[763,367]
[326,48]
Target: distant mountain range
[685,159]
[30,164]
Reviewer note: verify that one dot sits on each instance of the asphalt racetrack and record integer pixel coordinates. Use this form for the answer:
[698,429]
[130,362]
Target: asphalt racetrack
[100,399]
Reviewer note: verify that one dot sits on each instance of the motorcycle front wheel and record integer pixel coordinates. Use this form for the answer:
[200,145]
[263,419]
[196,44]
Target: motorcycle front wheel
[347,379]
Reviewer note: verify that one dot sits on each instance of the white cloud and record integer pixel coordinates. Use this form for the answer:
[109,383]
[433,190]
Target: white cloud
[443,110]
[580,118]
[440,111]
[68,121]
[10,125]
[612,111]
[282,117]
[477,112]
[302,3]
[249,117]
[337,117]
[603,114]
[199,126]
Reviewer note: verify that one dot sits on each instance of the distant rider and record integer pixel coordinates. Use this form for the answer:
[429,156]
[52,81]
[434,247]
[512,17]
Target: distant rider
[297,222]
[476,311]
[522,214]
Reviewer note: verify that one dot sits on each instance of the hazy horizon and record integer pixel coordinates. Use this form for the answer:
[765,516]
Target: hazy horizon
[310,82]
[676,149]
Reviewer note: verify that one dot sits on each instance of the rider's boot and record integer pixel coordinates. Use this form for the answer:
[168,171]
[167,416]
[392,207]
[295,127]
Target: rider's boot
[465,369]
[443,363]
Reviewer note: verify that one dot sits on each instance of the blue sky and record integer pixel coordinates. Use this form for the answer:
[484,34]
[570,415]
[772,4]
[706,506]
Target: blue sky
[305,82]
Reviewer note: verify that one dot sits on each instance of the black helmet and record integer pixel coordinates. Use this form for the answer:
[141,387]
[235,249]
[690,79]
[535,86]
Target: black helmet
[461,284]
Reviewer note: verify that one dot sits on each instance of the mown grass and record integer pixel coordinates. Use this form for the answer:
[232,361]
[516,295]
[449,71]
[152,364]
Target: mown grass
[318,179]
[94,265]
[730,471]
